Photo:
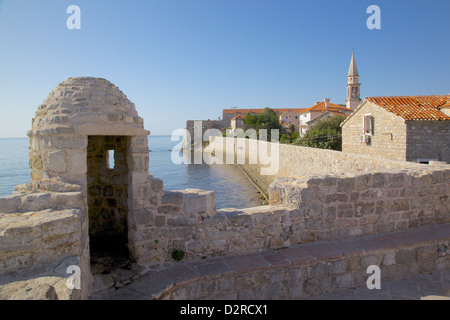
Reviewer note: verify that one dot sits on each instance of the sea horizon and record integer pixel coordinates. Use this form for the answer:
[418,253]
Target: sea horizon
[232,187]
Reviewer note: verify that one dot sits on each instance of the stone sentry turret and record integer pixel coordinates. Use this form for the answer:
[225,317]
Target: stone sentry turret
[78,200]
[80,125]
[76,109]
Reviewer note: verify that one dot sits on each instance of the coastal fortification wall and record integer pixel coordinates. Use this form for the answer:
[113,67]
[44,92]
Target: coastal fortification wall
[301,210]
[289,160]
[77,201]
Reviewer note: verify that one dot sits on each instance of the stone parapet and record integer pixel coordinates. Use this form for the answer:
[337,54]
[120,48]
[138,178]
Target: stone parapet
[337,207]
[301,210]
[38,238]
[297,272]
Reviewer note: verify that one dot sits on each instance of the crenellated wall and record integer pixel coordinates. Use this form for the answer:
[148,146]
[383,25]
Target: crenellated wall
[301,210]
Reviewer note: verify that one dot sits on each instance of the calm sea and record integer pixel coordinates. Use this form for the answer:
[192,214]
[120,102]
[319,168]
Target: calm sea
[233,189]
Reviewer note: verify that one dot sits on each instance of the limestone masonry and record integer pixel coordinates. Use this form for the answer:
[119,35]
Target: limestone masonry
[81,203]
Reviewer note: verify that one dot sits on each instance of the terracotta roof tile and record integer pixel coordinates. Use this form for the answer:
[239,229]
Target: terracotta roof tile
[256,111]
[320,107]
[414,107]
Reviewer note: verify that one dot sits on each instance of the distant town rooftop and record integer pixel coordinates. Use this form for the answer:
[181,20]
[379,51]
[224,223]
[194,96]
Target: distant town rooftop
[245,111]
[332,107]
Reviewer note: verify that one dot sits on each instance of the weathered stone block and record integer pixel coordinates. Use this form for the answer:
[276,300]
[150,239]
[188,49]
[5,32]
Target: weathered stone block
[345,210]
[143,217]
[57,161]
[10,204]
[198,246]
[389,259]
[364,208]
[363,182]
[379,180]
[172,197]
[306,195]
[199,202]
[157,185]
[406,257]
[346,184]
[343,281]
[426,257]
[339,267]
[239,220]
[139,178]
[226,284]
[36,161]
[78,163]
[169,210]
[181,221]
[36,201]
[70,142]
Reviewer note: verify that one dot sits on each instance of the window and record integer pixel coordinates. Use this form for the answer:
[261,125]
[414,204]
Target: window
[111,162]
[368,124]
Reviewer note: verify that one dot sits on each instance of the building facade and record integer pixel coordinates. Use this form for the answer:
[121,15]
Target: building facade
[308,117]
[411,128]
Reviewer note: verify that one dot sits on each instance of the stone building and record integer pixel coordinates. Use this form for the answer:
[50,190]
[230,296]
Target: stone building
[237,122]
[411,128]
[289,118]
[319,110]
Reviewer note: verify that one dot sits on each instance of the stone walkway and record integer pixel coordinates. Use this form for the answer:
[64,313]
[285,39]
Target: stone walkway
[427,286]
[139,282]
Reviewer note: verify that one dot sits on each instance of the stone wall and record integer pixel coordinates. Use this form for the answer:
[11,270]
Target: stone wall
[389,133]
[428,140]
[346,206]
[290,160]
[304,271]
[195,130]
[337,196]
[43,231]
[301,210]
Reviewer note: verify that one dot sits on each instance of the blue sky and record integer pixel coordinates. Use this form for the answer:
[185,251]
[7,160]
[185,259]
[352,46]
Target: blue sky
[181,60]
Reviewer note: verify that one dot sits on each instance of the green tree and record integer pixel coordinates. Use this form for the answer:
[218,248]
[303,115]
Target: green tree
[324,134]
[268,119]
[292,128]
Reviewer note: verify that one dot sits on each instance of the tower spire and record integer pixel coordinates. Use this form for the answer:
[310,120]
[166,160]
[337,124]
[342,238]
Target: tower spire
[353,70]
[353,85]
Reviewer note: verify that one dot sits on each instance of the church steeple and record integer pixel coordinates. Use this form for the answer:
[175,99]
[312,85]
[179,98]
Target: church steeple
[353,85]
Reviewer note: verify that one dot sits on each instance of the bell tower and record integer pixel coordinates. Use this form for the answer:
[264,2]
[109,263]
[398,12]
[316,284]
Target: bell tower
[353,85]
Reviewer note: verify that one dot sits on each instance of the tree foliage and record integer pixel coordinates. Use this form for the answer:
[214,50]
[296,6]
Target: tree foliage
[324,134]
[268,119]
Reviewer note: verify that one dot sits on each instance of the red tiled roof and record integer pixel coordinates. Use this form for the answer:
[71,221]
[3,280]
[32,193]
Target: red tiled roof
[414,107]
[332,107]
[239,117]
[245,111]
